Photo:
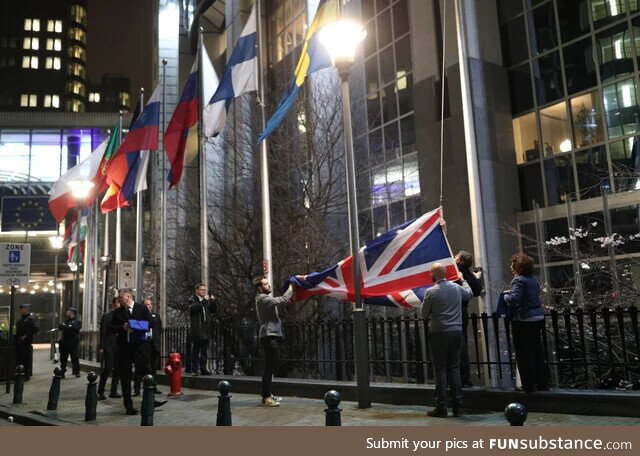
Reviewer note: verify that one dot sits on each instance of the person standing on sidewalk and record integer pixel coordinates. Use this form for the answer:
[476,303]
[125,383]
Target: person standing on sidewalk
[26,327]
[270,334]
[133,348]
[70,341]
[202,311]
[441,306]
[155,331]
[108,348]
[464,261]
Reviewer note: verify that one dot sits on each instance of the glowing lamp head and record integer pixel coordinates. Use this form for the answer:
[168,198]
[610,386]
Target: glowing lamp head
[56,243]
[341,39]
[80,188]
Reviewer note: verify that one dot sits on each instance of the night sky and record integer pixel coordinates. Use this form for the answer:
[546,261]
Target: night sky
[120,41]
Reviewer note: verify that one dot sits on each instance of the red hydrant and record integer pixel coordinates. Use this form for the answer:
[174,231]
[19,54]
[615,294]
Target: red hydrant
[173,369]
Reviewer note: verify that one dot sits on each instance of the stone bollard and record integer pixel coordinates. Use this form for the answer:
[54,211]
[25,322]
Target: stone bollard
[54,391]
[148,392]
[224,404]
[91,399]
[18,387]
[332,413]
[516,414]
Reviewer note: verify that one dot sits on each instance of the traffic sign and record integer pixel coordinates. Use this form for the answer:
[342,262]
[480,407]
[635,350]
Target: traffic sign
[127,274]
[15,263]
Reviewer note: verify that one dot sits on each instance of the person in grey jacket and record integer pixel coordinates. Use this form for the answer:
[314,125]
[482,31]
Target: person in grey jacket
[270,334]
[442,306]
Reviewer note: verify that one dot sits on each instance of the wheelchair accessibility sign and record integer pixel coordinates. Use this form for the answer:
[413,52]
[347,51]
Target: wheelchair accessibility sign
[15,262]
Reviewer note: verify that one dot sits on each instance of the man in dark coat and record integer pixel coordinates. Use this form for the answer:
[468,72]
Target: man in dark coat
[155,331]
[70,341]
[133,347]
[108,348]
[202,310]
[464,261]
[26,327]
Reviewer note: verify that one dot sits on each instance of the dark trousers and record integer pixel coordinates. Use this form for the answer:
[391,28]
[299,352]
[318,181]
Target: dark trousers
[199,355]
[24,356]
[109,368]
[271,347]
[445,353]
[128,354]
[69,348]
[154,357]
[465,370]
[532,365]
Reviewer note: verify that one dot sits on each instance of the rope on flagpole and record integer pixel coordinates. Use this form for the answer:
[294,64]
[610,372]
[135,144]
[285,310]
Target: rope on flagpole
[442,83]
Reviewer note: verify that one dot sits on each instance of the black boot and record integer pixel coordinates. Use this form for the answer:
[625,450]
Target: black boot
[440,411]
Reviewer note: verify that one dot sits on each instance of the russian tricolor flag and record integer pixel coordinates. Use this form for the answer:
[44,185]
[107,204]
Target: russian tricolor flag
[143,134]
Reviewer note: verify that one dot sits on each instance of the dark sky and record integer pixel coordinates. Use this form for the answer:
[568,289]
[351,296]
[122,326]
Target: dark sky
[120,41]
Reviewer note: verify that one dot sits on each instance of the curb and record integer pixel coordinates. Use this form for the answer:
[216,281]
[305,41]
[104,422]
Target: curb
[25,418]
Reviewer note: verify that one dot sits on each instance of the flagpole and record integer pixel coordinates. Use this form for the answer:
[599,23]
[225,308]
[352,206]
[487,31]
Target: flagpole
[163,221]
[139,222]
[86,275]
[264,165]
[107,263]
[118,214]
[95,265]
[204,218]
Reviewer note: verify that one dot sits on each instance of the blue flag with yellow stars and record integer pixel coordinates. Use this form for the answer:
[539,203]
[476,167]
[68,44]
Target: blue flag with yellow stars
[27,213]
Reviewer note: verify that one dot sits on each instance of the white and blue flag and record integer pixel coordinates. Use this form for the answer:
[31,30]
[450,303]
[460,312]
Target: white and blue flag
[239,77]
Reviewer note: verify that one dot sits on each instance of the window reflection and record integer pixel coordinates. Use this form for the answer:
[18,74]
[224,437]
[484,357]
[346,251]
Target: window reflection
[625,163]
[554,124]
[615,52]
[559,179]
[525,134]
[573,18]
[520,89]
[587,121]
[580,68]
[607,11]
[621,108]
[593,172]
[625,221]
[548,78]
[514,42]
[530,178]
[542,27]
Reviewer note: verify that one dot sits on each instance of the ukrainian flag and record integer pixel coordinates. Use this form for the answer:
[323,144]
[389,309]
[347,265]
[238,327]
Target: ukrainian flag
[314,57]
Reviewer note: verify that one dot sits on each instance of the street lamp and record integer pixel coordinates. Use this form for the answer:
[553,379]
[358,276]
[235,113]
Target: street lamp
[80,190]
[341,39]
[56,244]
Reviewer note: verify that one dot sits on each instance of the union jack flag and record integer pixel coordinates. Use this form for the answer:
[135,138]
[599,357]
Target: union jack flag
[394,268]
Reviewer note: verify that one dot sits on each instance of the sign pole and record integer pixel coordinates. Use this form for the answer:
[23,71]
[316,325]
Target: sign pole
[12,322]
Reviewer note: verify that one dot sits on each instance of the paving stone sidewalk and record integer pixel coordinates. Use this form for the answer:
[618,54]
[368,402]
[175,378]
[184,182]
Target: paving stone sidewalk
[199,408]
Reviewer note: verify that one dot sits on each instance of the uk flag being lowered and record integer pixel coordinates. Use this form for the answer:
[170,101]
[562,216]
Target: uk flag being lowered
[395,267]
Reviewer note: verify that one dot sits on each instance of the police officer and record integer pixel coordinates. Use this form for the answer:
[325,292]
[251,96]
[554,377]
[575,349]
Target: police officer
[26,328]
[70,341]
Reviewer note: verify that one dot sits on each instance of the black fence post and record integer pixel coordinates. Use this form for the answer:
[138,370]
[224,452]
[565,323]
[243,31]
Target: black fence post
[224,404]
[54,391]
[332,412]
[147,409]
[91,399]
[18,387]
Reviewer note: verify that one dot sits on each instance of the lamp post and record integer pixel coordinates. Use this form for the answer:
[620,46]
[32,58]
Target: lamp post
[341,39]
[56,245]
[80,190]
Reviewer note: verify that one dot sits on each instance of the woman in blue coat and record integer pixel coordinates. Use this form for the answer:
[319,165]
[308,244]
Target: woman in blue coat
[528,324]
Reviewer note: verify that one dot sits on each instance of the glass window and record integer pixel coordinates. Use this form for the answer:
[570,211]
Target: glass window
[33,100]
[529,240]
[607,11]
[124,98]
[45,156]
[559,179]
[625,164]
[367,10]
[530,178]
[47,101]
[615,52]
[14,154]
[411,175]
[573,16]
[621,108]
[78,35]
[580,68]
[525,135]
[557,228]
[387,68]
[76,69]
[413,208]
[520,88]
[556,136]
[542,29]
[592,171]
[404,86]
[403,54]
[636,34]
[593,224]
[27,25]
[587,121]
[389,107]
[400,12]
[384,28]
[375,146]
[388,184]
[77,52]
[31,43]
[369,44]
[364,223]
[625,221]
[24,100]
[514,42]
[392,141]
[509,8]
[50,26]
[374,114]
[380,220]
[79,14]
[548,78]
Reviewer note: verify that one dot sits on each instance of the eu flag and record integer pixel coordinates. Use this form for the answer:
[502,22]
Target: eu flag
[22,213]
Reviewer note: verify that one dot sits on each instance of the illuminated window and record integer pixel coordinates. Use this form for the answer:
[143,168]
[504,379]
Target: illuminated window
[79,14]
[78,35]
[54,26]
[124,99]
[75,105]
[76,87]
[31,43]
[54,44]
[76,69]
[401,82]
[52,63]
[33,100]
[32,25]
[77,52]
[94,97]
[51,101]
[30,62]
[24,100]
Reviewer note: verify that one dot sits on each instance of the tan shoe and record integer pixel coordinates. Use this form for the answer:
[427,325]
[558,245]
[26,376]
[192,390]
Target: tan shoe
[269,402]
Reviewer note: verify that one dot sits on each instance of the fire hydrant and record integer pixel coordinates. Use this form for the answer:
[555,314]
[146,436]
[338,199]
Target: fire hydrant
[173,369]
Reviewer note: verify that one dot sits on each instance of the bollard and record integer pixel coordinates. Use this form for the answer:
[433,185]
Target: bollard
[91,399]
[18,384]
[148,392]
[54,391]
[516,414]
[224,404]
[332,413]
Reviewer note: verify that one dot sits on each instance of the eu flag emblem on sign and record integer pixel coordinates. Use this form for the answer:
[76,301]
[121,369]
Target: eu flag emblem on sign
[27,213]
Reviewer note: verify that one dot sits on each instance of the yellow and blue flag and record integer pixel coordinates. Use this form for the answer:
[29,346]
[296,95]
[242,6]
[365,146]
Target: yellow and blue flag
[314,57]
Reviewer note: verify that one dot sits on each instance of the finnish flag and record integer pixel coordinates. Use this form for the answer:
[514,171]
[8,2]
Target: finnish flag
[240,76]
